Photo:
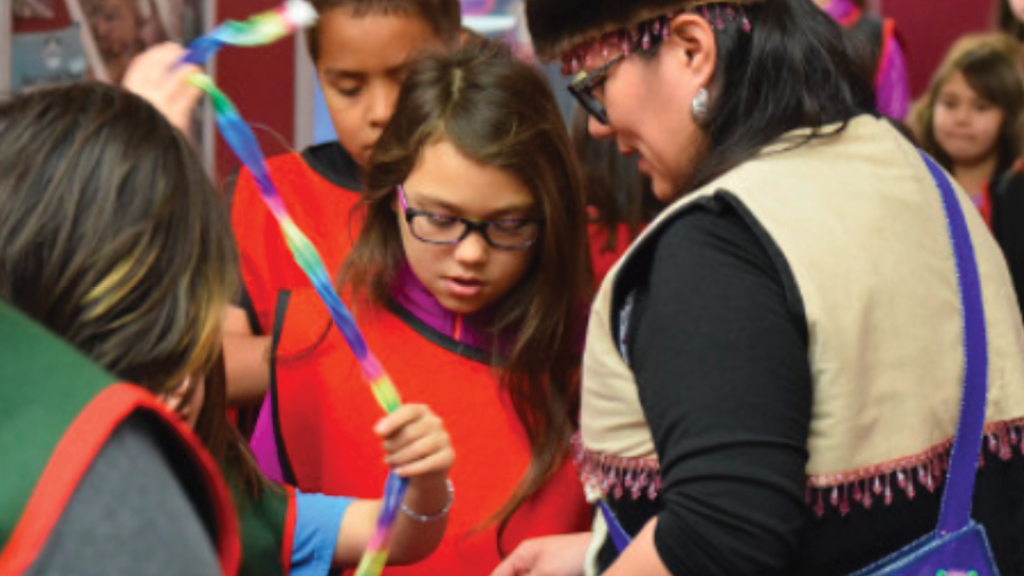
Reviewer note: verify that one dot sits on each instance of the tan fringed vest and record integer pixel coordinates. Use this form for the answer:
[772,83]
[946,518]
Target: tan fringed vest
[860,222]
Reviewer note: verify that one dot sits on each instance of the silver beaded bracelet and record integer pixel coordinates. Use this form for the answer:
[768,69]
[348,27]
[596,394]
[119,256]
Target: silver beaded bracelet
[427,518]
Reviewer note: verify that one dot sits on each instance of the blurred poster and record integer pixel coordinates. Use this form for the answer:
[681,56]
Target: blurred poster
[498,19]
[41,58]
[117,30]
[507,19]
[35,9]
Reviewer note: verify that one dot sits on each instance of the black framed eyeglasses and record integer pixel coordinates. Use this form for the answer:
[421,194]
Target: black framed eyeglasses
[645,40]
[442,229]
[583,86]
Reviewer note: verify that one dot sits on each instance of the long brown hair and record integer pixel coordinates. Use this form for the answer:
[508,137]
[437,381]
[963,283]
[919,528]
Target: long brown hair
[1006,21]
[113,237]
[990,64]
[501,113]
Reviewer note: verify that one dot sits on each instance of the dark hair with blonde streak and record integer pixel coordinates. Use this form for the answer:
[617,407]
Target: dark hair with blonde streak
[113,237]
[990,64]
[444,17]
[500,113]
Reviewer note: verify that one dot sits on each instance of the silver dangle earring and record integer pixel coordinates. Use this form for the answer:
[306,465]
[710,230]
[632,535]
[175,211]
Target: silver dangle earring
[699,104]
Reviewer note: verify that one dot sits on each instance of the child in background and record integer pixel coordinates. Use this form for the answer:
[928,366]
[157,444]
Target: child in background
[112,237]
[361,49]
[970,120]
[619,198]
[470,281]
[878,48]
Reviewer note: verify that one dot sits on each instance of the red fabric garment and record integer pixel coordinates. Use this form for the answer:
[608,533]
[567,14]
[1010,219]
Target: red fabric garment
[328,214]
[602,259]
[325,415]
[79,447]
[984,203]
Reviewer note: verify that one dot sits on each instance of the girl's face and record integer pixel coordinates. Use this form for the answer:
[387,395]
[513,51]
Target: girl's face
[966,125]
[471,275]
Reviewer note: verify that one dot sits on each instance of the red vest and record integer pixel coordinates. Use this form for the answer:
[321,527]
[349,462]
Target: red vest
[602,259]
[323,211]
[325,414]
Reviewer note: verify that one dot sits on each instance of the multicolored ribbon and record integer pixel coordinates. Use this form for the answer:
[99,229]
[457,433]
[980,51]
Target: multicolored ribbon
[263,29]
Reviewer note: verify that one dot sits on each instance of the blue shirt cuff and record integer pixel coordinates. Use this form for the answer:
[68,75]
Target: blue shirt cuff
[317,523]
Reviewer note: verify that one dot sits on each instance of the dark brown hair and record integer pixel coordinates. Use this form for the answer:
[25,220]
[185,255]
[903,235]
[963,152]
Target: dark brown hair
[1006,21]
[793,70]
[501,113]
[990,63]
[112,236]
[443,16]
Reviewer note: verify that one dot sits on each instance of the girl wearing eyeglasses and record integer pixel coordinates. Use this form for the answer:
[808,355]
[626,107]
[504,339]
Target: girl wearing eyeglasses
[470,281]
[773,371]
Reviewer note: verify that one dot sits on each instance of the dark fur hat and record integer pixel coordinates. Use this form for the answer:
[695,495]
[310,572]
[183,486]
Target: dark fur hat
[558,25]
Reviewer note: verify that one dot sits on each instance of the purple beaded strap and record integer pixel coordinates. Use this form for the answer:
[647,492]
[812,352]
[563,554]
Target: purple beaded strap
[955,513]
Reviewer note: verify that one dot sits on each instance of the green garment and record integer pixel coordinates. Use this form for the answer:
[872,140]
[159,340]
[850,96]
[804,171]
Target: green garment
[44,385]
[262,525]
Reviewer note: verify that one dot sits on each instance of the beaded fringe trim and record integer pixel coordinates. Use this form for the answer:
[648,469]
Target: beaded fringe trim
[616,475]
[925,471]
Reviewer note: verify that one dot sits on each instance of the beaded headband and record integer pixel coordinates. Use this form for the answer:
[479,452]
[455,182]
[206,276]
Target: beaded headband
[643,35]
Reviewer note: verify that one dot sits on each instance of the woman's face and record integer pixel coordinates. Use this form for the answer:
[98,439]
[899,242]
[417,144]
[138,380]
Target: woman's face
[648,103]
[966,125]
[470,275]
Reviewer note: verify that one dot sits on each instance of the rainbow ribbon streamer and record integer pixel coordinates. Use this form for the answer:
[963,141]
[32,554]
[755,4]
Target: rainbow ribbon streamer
[262,29]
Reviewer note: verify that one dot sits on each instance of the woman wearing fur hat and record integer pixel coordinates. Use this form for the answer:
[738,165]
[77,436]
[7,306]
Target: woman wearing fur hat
[774,370]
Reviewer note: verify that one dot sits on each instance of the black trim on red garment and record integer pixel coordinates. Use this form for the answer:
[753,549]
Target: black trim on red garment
[280,309]
[334,164]
[245,303]
[442,340]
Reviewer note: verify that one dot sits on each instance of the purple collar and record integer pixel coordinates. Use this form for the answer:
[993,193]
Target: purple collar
[840,9]
[475,330]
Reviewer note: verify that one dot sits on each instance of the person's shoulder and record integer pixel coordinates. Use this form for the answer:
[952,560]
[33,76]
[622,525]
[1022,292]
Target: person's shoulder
[334,164]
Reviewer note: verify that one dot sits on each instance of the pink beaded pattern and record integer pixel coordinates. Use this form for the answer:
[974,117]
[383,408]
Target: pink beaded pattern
[646,33]
[924,471]
[617,475]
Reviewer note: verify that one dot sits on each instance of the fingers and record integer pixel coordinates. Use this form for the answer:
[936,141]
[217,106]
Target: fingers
[394,422]
[156,76]
[518,563]
[504,569]
[423,462]
[415,441]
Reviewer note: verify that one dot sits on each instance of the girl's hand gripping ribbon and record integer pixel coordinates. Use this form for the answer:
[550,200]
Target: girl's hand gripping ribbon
[263,29]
